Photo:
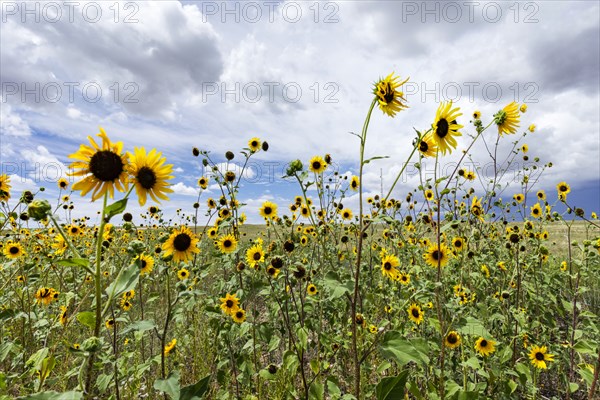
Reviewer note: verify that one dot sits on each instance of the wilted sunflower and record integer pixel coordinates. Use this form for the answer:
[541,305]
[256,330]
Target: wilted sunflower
[268,210]
[435,255]
[507,119]
[13,250]
[354,183]
[103,168]
[149,174]
[181,244]
[484,346]
[445,128]
[230,304]
[539,357]
[415,314]
[239,316]
[255,255]
[428,146]
[146,263]
[389,98]
[227,243]
[4,187]
[452,340]
[169,347]
[389,263]
[254,144]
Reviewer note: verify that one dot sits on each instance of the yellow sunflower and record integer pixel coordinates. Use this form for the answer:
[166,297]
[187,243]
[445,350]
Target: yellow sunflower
[103,168]
[227,243]
[389,264]
[254,144]
[476,208]
[149,174]
[507,119]
[181,244]
[59,245]
[255,255]
[435,255]
[445,128]
[539,357]
[268,210]
[536,211]
[452,340]
[458,243]
[239,316]
[519,197]
[389,98]
[354,183]
[13,250]
[311,289]
[346,214]
[183,274]
[415,314]
[62,317]
[146,263]
[484,346]
[4,187]
[46,295]
[230,304]
[563,190]
[317,165]
[62,184]
[428,146]
[169,347]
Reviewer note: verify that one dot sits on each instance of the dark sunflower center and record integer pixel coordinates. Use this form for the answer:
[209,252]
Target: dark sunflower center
[346,215]
[227,243]
[239,314]
[539,356]
[387,266]
[146,177]
[404,278]
[271,271]
[106,165]
[268,210]
[483,344]
[458,243]
[452,339]
[229,303]
[14,250]
[437,255]
[316,165]
[256,256]
[63,185]
[144,263]
[388,96]
[415,313]
[442,128]
[254,143]
[182,242]
[423,146]
[563,188]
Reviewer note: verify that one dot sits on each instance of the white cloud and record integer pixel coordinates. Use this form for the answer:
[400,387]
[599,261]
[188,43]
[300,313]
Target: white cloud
[11,123]
[184,190]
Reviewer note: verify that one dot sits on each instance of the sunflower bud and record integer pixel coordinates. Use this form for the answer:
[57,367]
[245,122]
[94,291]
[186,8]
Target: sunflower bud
[229,155]
[91,344]
[295,166]
[136,247]
[39,209]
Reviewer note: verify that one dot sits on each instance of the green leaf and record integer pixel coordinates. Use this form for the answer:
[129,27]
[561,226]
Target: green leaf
[365,162]
[54,396]
[392,388]
[195,391]
[474,327]
[333,389]
[316,391]
[87,318]
[170,385]
[302,337]
[139,326]
[395,347]
[127,280]
[468,395]
[585,347]
[573,387]
[74,262]
[47,366]
[512,385]
[115,208]
[334,285]
[37,358]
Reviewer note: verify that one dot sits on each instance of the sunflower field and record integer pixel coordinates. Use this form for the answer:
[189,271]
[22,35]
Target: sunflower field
[443,293]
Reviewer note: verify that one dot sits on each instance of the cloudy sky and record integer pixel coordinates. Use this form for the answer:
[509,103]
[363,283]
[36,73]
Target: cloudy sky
[174,75]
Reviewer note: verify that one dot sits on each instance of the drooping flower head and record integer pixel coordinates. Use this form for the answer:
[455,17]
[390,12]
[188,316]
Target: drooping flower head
[389,98]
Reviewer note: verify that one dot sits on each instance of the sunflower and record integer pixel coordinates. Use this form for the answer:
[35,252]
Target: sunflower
[476,208]
[109,323]
[354,183]
[272,271]
[484,346]
[62,184]
[346,214]
[255,255]
[13,250]
[169,347]
[435,255]
[254,144]
[404,278]
[507,119]
[146,263]
[541,195]
[415,314]
[539,357]
[239,316]
[62,317]
[458,243]
[523,108]
[477,114]
[428,146]
[389,98]
[181,244]
[429,194]
[470,176]
[230,304]
[445,128]
[519,197]
[524,149]
[126,304]
[317,165]
[103,168]
[227,243]
[531,128]
[268,210]
[183,274]
[563,190]
[389,263]
[452,340]
[4,187]
[203,183]
[311,289]
[536,211]
[149,174]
